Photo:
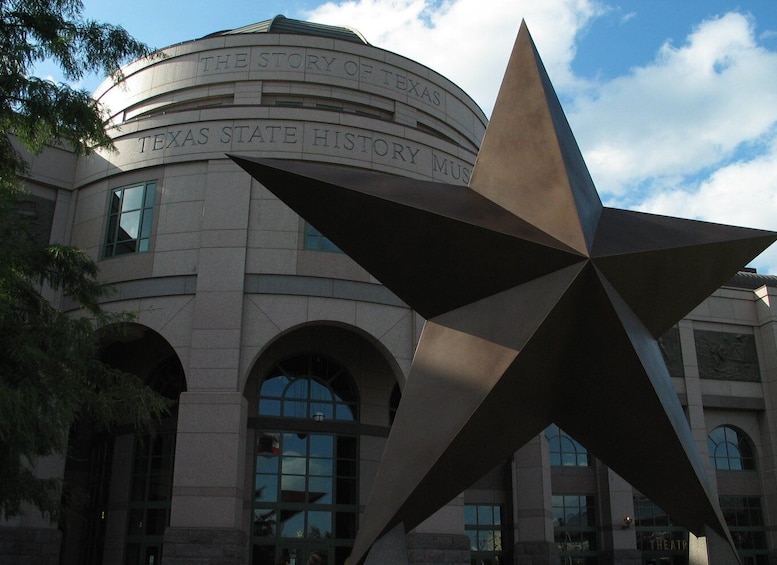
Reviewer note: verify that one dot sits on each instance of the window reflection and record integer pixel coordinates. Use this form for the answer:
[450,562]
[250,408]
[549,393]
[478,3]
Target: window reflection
[306,481]
[309,387]
[564,450]
[729,450]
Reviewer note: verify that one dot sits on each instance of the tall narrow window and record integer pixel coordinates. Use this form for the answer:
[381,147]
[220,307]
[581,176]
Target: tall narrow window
[149,504]
[746,522]
[483,526]
[659,540]
[574,528]
[730,450]
[306,480]
[130,219]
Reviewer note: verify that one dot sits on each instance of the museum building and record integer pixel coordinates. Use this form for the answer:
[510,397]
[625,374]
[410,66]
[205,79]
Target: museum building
[287,359]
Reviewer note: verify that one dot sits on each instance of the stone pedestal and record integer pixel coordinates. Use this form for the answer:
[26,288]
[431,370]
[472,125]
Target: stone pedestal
[428,549]
[391,549]
[29,546]
[185,546]
[623,557]
[535,553]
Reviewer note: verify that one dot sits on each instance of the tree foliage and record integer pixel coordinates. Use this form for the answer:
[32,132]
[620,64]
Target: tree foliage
[41,112]
[50,373]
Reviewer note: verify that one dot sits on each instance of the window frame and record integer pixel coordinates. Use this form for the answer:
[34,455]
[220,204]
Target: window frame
[113,246]
[750,526]
[288,477]
[738,451]
[585,533]
[559,457]
[477,522]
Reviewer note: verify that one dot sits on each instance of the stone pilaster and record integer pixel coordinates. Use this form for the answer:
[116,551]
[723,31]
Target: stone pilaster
[532,505]
[211,546]
[29,546]
[437,548]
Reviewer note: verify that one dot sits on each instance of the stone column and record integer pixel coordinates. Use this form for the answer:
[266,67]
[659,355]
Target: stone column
[766,340]
[440,538]
[624,539]
[532,505]
[206,521]
[698,552]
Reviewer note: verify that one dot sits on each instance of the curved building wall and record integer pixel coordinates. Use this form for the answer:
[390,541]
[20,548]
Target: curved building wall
[226,277]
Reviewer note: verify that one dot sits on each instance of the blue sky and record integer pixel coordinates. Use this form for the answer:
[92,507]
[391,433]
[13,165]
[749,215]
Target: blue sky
[673,102]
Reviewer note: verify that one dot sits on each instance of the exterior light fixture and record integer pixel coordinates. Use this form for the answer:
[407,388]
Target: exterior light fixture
[627,522]
[318,417]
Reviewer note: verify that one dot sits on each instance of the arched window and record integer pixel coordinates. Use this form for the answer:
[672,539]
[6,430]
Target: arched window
[306,474]
[565,451]
[308,387]
[730,450]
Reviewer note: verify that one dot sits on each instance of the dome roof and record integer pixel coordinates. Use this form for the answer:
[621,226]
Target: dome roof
[282,24]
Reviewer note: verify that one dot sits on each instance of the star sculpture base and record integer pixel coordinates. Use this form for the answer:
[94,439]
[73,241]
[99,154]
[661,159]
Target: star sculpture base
[542,306]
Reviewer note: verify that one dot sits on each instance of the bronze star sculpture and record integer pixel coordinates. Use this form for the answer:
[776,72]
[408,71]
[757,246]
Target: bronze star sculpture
[542,306]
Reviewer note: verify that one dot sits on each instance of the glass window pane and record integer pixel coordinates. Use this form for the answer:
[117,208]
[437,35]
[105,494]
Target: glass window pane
[293,488]
[293,444]
[266,488]
[133,198]
[322,446]
[346,448]
[345,525]
[295,409]
[156,521]
[320,490]
[319,391]
[292,524]
[148,219]
[321,467]
[346,412]
[293,465]
[274,386]
[320,411]
[264,524]
[485,540]
[269,407]
[319,524]
[129,225]
[346,491]
[159,487]
[473,539]
[150,195]
[267,464]
[115,202]
[112,222]
[298,389]
[485,515]
[470,515]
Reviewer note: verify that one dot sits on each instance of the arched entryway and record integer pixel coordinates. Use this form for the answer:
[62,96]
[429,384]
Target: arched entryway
[120,482]
[317,395]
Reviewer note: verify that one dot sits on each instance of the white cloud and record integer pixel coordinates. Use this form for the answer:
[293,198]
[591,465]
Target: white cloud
[743,193]
[691,134]
[691,109]
[467,42]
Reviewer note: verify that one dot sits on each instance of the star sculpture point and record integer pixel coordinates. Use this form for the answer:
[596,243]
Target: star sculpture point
[542,306]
